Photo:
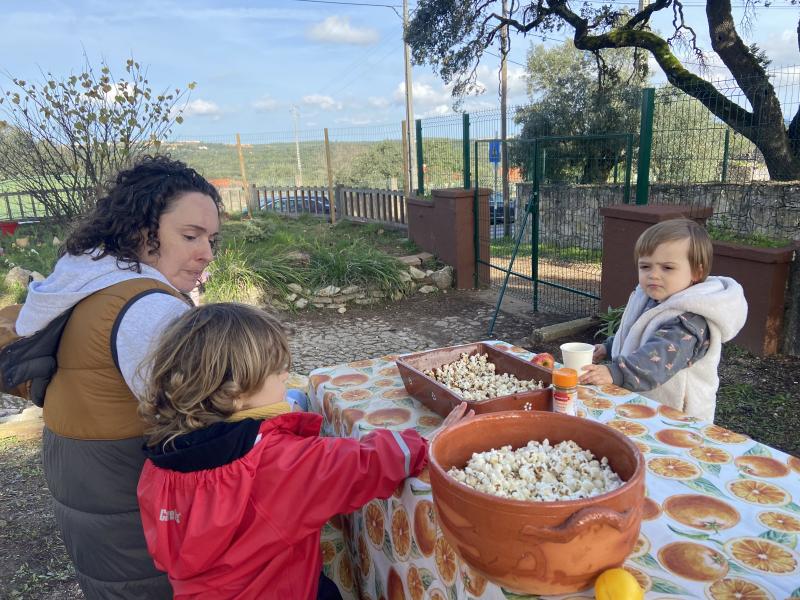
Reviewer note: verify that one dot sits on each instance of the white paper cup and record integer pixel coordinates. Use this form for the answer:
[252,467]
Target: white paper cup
[575,355]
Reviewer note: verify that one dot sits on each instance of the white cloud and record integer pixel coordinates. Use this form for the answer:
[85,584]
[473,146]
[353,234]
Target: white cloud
[379,101]
[266,104]
[202,108]
[323,102]
[337,30]
[782,49]
[425,95]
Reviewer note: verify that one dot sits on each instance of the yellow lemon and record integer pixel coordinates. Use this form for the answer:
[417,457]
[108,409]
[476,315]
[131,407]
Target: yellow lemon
[617,584]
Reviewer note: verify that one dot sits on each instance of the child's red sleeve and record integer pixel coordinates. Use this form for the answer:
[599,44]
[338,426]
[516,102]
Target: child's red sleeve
[318,478]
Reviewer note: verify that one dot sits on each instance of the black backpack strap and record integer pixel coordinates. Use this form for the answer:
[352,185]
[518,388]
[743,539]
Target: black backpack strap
[33,358]
[121,315]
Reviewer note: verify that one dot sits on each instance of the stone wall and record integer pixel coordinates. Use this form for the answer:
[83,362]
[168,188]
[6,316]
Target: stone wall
[570,213]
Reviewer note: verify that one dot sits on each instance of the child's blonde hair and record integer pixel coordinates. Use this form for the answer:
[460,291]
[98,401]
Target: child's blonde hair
[205,363]
[701,251]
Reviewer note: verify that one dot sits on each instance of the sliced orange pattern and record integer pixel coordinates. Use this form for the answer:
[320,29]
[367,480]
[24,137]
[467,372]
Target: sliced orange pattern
[401,533]
[723,436]
[373,521]
[597,403]
[642,578]
[349,379]
[758,492]
[737,589]
[709,454]
[673,468]
[762,555]
[614,390]
[779,521]
[446,562]
[630,428]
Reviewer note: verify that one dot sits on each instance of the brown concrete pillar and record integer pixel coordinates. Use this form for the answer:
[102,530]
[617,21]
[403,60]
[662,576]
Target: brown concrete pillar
[763,273]
[445,226]
[622,226]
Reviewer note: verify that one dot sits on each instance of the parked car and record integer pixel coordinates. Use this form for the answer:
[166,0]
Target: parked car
[290,201]
[496,213]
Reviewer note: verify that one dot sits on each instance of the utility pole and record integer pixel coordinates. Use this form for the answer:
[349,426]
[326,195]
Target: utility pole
[503,119]
[410,142]
[298,180]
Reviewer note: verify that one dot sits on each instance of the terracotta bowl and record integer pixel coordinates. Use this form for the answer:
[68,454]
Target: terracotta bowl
[537,547]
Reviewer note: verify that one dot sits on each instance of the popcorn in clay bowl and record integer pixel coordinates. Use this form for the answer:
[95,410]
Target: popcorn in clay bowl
[537,547]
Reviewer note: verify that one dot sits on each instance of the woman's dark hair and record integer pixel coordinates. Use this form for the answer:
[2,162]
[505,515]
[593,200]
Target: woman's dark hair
[139,196]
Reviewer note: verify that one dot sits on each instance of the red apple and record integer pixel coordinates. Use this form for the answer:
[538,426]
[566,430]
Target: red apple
[544,360]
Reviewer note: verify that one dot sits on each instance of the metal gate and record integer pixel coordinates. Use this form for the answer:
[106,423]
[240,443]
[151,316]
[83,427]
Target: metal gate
[543,244]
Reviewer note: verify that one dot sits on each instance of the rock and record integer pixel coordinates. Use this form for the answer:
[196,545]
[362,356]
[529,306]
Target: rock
[32,413]
[443,278]
[334,306]
[3,523]
[296,288]
[22,242]
[331,290]
[416,273]
[301,303]
[398,295]
[321,300]
[56,241]
[377,294]
[405,276]
[427,289]
[342,310]
[411,261]
[291,297]
[351,289]
[428,273]
[19,276]
[423,256]
[36,276]
[299,257]
[366,300]
[279,305]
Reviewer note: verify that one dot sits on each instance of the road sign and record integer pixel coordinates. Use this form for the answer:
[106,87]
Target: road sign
[494,151]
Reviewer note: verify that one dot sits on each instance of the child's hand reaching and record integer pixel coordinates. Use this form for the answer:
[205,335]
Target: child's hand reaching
[596,375]
[599,352]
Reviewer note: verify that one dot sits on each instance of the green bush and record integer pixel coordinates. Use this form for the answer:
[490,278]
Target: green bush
[232,279]
[610,321]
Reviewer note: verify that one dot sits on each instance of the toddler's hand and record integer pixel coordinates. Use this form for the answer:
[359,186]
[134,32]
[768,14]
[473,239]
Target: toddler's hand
[596,375]
[599,352]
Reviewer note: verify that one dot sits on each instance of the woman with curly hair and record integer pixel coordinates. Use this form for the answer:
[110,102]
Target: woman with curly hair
[124,276]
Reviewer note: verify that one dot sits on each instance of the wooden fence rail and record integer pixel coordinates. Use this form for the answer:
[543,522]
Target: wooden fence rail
[365,205]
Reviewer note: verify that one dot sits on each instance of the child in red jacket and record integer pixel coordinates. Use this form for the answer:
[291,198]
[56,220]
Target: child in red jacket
[237,488]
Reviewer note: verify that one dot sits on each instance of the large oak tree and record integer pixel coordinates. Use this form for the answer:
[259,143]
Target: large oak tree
[452,35]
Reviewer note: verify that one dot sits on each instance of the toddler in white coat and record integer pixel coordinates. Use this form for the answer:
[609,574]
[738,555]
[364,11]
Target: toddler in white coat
[669,342]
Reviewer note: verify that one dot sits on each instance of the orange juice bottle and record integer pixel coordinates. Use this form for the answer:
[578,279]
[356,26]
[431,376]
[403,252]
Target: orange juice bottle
[565,391]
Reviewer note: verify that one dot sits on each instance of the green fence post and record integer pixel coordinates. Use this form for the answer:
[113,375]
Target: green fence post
[725,155]
[534,206]
[628,163]
[476,239]
[420,170]
[465,144]
[645,145]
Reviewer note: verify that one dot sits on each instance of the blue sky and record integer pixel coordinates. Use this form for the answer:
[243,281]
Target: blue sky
[342,66]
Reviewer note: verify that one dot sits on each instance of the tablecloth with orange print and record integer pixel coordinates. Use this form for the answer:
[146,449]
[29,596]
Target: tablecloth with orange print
[721,520]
